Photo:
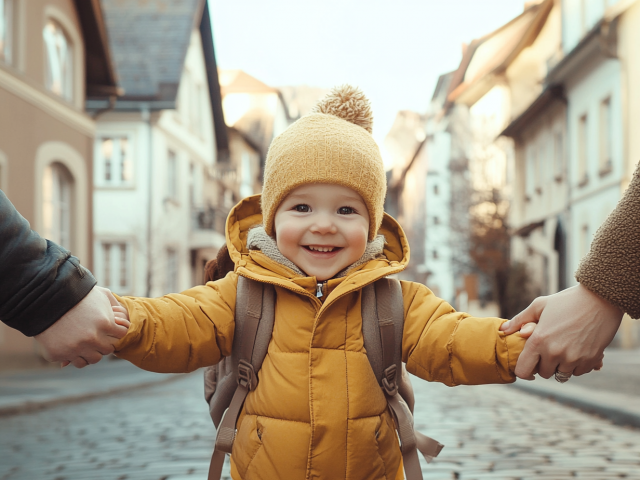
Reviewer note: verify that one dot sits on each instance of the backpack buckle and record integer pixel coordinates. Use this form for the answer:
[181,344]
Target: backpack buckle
[246,375]
[389,383]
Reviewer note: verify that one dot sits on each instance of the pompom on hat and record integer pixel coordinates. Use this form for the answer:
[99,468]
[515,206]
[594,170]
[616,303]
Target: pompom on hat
[333,144]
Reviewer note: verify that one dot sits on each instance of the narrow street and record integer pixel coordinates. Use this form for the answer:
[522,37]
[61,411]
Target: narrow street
[164,432]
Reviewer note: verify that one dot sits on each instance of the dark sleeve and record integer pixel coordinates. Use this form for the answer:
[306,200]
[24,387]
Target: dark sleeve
[39,280]
[612,267]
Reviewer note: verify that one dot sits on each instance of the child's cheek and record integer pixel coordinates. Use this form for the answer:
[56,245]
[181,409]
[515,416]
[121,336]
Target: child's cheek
[357,239]
[286,238]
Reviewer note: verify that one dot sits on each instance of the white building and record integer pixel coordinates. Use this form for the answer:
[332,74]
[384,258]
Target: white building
[446,232]
[591,75]
[156,196]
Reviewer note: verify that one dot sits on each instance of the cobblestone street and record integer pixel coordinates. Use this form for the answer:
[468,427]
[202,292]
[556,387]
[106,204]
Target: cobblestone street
[164,432]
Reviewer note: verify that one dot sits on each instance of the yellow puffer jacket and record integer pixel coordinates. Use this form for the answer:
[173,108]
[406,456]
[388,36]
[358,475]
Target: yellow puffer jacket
[317,411]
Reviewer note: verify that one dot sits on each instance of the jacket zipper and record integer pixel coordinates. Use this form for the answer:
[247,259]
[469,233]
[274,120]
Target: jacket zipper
[320,287]
[307,294]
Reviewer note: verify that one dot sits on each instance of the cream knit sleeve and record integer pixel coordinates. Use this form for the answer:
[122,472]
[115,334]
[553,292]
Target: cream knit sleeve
[611,269]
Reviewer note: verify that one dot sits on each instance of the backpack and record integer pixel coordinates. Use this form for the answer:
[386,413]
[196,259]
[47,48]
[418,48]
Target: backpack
[228,383]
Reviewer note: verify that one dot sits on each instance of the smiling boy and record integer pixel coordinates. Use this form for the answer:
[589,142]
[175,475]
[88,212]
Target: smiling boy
[319,235]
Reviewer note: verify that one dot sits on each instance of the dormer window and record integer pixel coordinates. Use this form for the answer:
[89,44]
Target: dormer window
[59,60]
[6,32]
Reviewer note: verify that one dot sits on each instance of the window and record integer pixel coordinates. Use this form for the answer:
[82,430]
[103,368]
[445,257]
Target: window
[434,254]
[538,166]
[246,185]
[192,185]
[582,150]
[59,58]
[171,273]
[172,175]
[196,109]
[605,136]
[3,173]
[530,173]
[584,241]
[436,190]
[436,220]
[185,97]
[6,31]
[116,259]
[57,193]
[114,167]
[558,155]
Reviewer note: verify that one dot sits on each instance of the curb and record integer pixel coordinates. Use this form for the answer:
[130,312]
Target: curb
[620,408]
[32,406]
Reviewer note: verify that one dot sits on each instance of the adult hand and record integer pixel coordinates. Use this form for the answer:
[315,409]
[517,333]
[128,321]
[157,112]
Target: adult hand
[85,333]
[574,327]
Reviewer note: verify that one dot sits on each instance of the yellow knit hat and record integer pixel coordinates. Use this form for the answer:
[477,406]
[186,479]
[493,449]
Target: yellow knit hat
[331,145]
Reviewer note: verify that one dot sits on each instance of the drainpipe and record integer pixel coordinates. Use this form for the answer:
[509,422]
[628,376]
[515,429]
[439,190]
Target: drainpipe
[146,117]
[108,108]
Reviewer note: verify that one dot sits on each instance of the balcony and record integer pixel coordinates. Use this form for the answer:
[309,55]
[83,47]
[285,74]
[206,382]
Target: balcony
[207,227]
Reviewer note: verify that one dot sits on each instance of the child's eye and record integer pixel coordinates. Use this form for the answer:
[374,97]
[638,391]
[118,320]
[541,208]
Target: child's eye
[302,208]
[346,210]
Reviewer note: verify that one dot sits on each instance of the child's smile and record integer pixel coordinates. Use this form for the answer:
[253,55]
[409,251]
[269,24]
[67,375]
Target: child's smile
[322,228]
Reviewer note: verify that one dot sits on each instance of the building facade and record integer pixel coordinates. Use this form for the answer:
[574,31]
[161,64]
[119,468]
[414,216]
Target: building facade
[46,136]
[157,152]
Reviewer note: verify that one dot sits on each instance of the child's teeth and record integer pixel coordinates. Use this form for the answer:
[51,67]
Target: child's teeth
[321,249]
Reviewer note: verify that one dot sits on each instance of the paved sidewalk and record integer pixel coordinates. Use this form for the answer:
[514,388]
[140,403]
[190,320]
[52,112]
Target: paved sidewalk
[613,393]
[31,390]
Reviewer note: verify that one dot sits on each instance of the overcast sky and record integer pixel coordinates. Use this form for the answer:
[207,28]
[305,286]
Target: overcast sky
[394,50]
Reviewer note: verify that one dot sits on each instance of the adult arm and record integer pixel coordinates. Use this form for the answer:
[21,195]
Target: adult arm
[39,280]
[442,345]
[611,269]
[181,332]
[577,324]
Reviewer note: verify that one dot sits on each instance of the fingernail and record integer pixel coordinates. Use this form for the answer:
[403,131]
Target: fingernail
[505,325]
[527,328]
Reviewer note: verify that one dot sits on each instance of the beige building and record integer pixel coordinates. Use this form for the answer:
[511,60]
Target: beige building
[53,53]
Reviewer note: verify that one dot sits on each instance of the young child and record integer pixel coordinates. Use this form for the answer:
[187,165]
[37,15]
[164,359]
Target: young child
[319,235]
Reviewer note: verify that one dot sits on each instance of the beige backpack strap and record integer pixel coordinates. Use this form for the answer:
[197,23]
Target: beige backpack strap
[249,308]
[390,311]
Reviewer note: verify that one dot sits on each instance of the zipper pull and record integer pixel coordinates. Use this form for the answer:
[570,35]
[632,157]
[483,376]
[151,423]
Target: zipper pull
[319,292]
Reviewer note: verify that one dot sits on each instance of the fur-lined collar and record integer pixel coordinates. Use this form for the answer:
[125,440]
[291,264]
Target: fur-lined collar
[257,239]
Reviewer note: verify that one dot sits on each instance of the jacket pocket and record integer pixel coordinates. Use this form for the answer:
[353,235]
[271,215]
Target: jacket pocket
[247,444]
[388,445]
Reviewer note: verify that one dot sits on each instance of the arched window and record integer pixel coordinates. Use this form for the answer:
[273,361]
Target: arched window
[6,33]
[57,198]
[59,60]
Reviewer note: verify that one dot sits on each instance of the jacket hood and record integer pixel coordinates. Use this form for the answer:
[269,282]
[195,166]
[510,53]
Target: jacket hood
[254,264]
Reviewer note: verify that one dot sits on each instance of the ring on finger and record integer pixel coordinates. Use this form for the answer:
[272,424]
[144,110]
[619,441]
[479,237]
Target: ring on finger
[562,377]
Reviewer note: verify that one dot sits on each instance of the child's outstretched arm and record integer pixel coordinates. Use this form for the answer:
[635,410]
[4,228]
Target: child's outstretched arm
[442,345]
[179,332]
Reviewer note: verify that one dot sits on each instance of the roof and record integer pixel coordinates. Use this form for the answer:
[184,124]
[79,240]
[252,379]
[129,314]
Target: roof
[211,65]
[492,54]
[547,97]
[257,119]
[238,81]
[100,72]
[149,41]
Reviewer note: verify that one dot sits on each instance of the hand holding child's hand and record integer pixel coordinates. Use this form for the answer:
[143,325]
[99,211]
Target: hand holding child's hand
[527,330]
[85,333]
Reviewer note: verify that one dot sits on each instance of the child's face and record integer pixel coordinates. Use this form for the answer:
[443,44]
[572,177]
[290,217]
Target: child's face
[322,228]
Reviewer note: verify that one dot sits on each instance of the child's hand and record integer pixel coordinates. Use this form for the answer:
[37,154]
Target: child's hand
[527,329]
[104,338]
[121,315]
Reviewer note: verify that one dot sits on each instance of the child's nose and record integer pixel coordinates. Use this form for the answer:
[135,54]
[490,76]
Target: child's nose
[323,225]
